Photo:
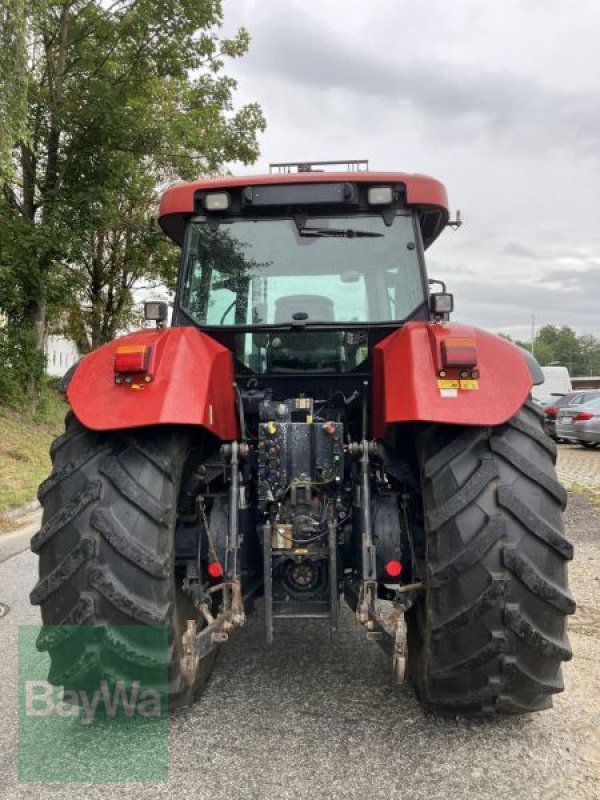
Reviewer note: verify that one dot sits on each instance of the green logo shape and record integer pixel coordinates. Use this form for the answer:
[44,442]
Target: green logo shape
[99,711]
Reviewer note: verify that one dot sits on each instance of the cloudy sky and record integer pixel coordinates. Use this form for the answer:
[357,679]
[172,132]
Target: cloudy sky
[498,99]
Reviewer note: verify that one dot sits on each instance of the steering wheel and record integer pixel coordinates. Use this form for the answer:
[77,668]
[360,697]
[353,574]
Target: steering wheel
[227,310]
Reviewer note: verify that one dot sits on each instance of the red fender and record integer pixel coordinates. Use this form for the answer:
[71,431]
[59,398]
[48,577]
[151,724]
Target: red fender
[407,386]
[191,383]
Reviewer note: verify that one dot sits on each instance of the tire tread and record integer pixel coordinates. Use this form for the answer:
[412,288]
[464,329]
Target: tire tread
[109,512]
[488,634]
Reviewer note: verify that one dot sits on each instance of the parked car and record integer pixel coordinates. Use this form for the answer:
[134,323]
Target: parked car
[556,381]
[550,402]
[553,405]
[548,399]
[580,423]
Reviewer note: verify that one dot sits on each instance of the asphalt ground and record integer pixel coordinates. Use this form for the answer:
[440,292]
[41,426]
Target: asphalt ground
[17,541]
[316,718]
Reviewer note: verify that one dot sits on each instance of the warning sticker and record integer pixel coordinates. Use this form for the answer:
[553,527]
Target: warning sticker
[470,385]
[448,384]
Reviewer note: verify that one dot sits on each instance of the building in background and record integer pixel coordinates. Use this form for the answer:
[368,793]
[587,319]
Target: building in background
[61,353]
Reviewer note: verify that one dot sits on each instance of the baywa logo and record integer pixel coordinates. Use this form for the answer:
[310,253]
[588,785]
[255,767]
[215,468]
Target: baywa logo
[42,699]
[109,719]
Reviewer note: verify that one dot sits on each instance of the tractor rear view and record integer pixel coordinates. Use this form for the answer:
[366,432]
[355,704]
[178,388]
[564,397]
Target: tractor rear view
[311,427]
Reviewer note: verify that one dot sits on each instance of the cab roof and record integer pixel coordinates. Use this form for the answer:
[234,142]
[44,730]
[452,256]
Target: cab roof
[423,193]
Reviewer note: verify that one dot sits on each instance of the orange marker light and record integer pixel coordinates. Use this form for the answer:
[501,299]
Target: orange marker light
[459,353]
[132,358]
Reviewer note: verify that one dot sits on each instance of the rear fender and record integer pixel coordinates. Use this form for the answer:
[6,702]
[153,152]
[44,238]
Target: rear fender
[190,383]
[407,386]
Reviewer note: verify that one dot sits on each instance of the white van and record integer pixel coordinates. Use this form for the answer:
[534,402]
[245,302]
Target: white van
[557,382]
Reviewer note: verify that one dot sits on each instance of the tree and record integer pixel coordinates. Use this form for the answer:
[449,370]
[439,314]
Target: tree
[589,352]
[561,343]
[562,346]
[13,79]
[122,252]
[120,97]
[543,352]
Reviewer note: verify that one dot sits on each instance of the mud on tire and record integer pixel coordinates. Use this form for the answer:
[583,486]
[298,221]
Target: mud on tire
[106,558]
[489,634]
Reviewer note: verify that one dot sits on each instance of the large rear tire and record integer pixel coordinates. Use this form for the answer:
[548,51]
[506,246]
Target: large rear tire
[106,557]
[488,634]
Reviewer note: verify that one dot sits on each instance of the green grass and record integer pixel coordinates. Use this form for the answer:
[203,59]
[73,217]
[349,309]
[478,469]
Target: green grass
[24,442]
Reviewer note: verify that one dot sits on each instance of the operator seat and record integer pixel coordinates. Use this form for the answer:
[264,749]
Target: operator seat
[318,351]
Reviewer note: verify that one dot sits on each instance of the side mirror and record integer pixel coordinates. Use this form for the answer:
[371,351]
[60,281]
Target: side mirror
[156,311]
[441,304]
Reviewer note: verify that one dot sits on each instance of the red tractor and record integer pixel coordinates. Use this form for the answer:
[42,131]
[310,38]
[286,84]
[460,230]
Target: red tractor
[311,426]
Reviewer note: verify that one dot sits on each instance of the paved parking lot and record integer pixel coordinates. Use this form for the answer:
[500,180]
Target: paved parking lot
[579,467]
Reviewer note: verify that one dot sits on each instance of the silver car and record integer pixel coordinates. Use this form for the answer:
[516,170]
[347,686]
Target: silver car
[580,423]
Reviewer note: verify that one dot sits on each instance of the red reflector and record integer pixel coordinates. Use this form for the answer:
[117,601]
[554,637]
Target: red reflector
[215,570]
[132,358]
[393,568]
[459,353]
[550,412]
[583,416]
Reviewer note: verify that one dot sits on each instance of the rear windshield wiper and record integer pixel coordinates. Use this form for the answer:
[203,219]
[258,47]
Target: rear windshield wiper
[336,233]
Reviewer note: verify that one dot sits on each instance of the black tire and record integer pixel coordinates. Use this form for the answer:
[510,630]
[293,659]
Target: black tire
[106,557]
[589,445]
[488,634]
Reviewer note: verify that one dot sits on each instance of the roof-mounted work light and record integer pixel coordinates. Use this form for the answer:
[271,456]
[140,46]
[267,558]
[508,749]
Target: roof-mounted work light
[380,195]
[217,201]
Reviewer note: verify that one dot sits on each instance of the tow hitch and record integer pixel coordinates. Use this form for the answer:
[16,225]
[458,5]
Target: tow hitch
[198,644]
[388,628]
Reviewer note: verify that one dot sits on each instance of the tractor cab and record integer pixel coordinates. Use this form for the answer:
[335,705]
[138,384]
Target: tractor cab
[291,271]
[301,272]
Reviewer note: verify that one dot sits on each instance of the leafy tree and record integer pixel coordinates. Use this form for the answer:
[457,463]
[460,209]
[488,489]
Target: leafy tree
[122,252]
[589,355]
[542,351]
[560,343]
[13,79]
[562,346]
[121,96]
